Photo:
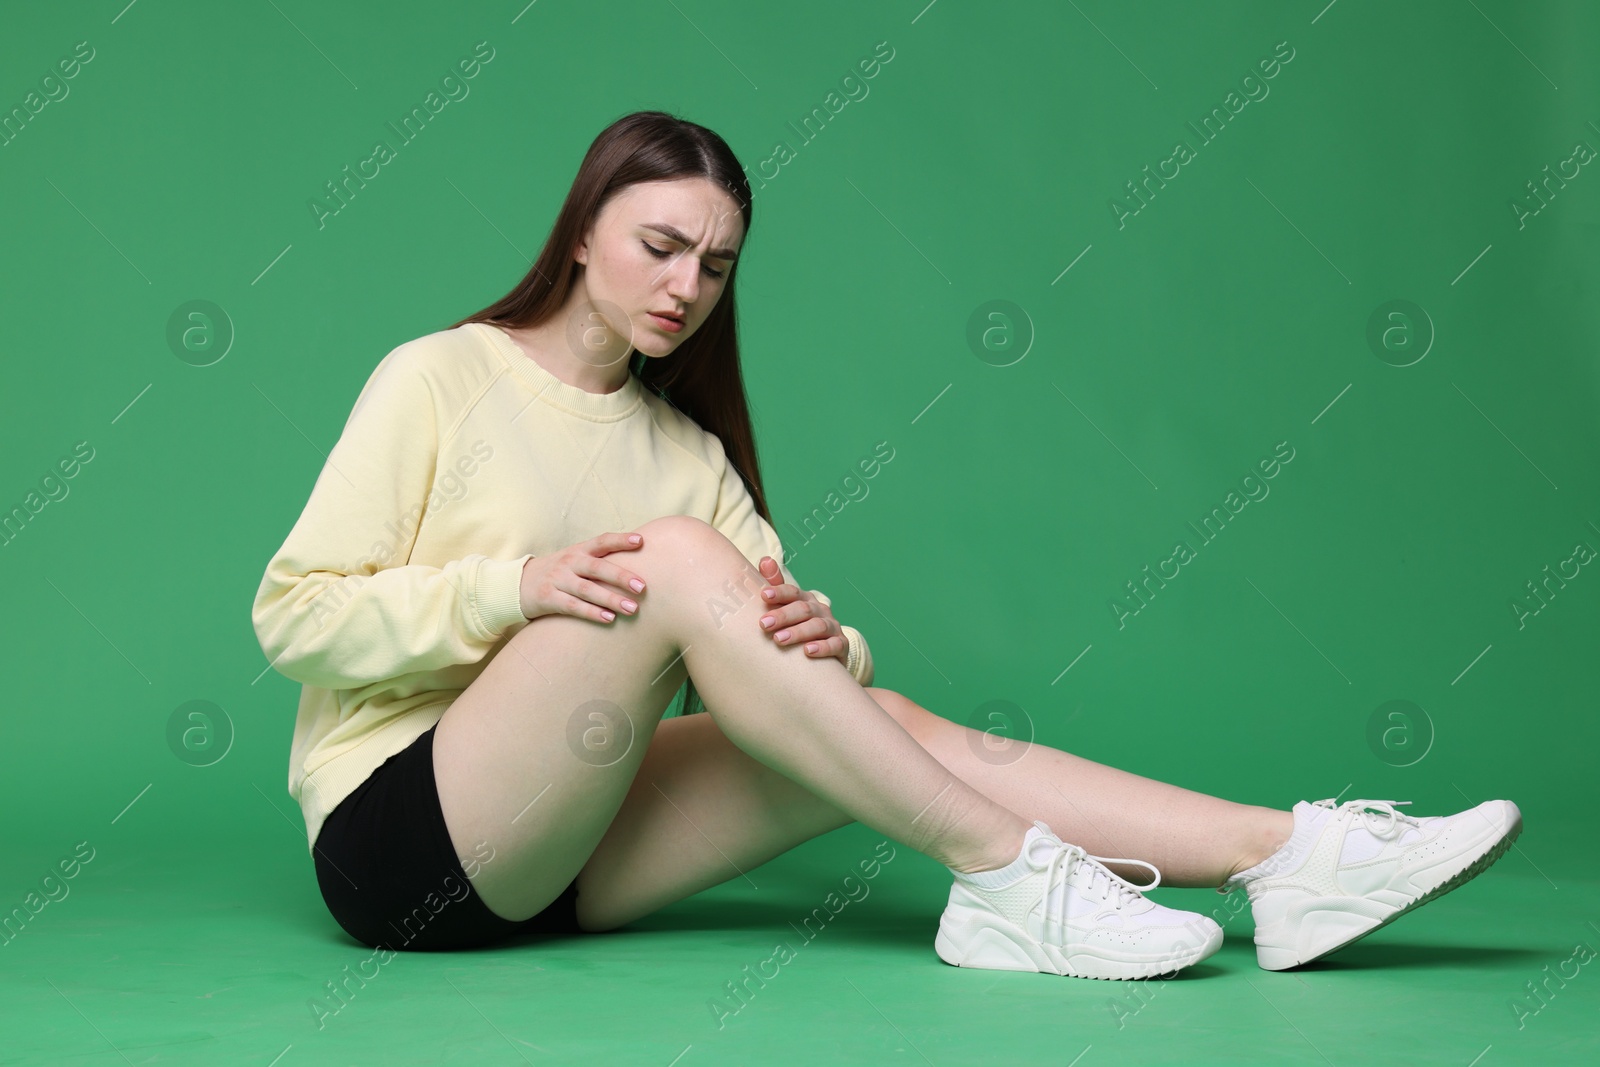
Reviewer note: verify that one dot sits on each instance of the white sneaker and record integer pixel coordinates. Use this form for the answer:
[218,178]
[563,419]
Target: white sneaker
[1067,914]
[1348,870]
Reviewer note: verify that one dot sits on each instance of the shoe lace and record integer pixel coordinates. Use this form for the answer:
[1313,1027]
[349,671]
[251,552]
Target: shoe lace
[1118,892]
[1378,815]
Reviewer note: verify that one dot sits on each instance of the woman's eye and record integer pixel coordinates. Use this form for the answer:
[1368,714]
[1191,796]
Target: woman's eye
[662,253]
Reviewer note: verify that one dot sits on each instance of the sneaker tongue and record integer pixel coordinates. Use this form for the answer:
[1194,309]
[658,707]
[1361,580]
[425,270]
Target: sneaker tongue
[1309,816]
[1095,884]
[1101,885]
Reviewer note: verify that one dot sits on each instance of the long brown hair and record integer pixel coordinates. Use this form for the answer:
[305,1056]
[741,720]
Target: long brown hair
[701,377]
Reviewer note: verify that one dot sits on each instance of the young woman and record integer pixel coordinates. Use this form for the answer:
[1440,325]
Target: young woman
[541,523]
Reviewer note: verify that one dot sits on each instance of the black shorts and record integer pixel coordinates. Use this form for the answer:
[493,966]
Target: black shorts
[388,870]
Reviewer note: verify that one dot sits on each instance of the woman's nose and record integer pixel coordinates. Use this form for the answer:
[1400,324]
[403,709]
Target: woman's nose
[683,283]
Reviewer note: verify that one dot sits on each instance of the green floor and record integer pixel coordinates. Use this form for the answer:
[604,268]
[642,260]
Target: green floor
[216,958]
[1378,270]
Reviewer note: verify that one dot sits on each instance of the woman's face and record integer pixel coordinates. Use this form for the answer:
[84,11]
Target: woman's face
[660,247]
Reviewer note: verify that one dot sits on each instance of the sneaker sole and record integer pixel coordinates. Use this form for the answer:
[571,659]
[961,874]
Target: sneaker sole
[1281,959]
[986,942]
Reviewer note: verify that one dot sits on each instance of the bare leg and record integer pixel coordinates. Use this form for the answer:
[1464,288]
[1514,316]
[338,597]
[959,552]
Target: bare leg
[1193,839]
[509,773]
[702,812]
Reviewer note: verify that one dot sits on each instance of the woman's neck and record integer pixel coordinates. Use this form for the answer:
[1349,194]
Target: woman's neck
[549,345]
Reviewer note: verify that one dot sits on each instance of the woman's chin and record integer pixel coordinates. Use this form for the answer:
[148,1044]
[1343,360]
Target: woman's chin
[657,347]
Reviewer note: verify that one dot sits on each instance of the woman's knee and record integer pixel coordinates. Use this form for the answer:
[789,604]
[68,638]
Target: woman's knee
[683,533]
[684,550]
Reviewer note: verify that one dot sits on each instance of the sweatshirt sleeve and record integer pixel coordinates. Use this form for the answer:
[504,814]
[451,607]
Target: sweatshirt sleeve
[740,522]
[339,607]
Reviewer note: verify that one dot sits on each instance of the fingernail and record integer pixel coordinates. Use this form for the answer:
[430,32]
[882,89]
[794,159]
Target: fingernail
[635,539]
[767,593]
[783,635]
[766,623]
[636,585]
[811,648]
[628,605]
[607,615]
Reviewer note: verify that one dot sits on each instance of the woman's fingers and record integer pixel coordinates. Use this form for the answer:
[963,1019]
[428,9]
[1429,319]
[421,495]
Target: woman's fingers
[620,577]
[577,580]
[810,629]
[605,596]
[597,588]
[776,619]
[600,544]
[832,646]
[583,609]
[780,594]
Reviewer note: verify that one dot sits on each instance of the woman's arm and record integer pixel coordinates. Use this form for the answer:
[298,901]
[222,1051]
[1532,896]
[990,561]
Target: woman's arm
[338,607]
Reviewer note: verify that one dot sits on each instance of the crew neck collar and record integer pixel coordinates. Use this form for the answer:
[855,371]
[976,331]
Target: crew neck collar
[602,407]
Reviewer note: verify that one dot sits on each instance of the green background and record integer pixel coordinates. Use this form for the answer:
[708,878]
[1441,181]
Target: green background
[1140,386]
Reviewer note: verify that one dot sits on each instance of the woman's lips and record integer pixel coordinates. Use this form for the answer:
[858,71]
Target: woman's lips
[670,325]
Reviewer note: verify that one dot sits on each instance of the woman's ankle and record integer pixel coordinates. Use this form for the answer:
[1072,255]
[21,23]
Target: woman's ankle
[1267,834]
[993,853]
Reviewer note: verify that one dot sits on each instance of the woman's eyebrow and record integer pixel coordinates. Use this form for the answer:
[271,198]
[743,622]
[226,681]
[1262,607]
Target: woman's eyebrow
[684,239]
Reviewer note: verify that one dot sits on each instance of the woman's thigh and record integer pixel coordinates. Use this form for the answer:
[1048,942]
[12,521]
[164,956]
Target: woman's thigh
[537,754]
[536,762]
[700,812]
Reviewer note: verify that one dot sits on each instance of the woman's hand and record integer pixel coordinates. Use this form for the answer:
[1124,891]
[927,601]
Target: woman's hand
[795,615]
[578,581]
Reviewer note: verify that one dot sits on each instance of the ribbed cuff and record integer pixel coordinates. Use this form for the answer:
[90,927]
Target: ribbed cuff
[859,662]
[497,593]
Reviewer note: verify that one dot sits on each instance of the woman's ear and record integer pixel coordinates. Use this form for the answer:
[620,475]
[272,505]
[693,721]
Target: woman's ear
[580,253]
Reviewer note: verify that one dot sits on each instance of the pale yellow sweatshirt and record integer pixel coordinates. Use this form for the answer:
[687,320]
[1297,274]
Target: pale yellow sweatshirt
[462,460]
